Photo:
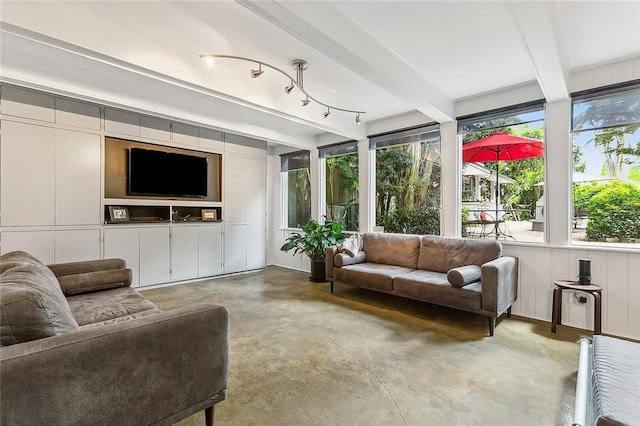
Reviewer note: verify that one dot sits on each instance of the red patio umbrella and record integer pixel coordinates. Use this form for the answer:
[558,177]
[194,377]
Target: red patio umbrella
[501,147]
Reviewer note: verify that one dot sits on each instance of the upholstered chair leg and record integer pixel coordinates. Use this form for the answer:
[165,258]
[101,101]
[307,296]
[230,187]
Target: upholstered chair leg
[492,325]
[509,312]
[208,416]
[331,287]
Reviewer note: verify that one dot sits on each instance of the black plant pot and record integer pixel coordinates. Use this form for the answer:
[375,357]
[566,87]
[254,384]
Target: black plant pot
[318,271]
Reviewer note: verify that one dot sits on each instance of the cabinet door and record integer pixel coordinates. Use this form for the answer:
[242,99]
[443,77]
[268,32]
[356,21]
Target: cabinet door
[28,104]
[244,189]
[184,252]
[123,243]
[210,250]
[126,123]
[154,255]
[256,199]
[77,114]
[37,243]
[235,248]
[210,140]
[184,135]
[256,246]
[76,245]
[27,174]
[77,178]
[155,128]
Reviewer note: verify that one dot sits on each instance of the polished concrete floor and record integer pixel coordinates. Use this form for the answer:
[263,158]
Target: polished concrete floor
[302,356]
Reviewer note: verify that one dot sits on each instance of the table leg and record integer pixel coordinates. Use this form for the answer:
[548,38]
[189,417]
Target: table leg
[556,310]
[597,313]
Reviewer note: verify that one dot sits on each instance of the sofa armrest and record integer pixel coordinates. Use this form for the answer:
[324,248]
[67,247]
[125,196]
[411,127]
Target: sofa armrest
[330,253]
[141,371]
[499,284]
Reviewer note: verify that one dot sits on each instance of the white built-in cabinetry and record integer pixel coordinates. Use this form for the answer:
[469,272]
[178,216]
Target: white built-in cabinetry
[51,191]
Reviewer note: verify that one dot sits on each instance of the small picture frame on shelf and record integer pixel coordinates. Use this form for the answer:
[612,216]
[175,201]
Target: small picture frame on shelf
[209,214]
[118,214]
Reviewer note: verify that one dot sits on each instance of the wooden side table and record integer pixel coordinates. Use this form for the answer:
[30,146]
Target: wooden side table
[594,290]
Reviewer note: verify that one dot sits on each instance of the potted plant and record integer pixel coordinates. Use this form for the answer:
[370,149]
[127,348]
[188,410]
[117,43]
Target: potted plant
[313,241]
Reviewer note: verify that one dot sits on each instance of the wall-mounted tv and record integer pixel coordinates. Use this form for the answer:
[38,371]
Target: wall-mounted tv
[166,174]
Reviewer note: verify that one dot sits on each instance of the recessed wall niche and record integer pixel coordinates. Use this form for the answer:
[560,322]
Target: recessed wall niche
[116,170]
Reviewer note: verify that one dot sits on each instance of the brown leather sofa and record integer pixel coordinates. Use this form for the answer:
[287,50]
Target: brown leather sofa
[80,346]
[466,274]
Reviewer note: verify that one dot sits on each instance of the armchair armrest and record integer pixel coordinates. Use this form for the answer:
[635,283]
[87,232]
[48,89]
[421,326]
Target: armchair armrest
[499,284]
[72,268]
[150,370]
[93,275]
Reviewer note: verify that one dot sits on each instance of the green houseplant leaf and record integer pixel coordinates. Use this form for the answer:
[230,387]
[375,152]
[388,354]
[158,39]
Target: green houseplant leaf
[314,239]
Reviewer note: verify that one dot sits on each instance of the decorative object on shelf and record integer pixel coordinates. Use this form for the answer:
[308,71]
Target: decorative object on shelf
[299,65]
[118,214]
[209,214]
[314,241]
[584,271]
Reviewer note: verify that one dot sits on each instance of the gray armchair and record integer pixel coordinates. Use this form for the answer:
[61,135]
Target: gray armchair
[116,359]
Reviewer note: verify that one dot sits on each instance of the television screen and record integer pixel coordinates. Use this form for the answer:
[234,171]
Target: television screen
[166,174]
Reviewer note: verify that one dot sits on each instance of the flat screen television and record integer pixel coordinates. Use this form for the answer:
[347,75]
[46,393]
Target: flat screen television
[166,174]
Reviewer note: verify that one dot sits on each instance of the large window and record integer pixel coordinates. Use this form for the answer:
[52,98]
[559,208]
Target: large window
[341,173]
[296,183]
[606,166]
[408,180]
[503,173]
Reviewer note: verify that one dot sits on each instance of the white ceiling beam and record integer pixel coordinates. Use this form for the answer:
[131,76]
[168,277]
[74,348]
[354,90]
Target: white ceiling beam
[540,28]
[326,29]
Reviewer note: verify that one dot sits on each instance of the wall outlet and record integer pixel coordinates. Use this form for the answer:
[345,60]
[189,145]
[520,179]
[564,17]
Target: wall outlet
[578,299]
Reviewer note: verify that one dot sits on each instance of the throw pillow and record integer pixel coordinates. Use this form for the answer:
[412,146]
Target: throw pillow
[343,259]
[352,245]
[463,275]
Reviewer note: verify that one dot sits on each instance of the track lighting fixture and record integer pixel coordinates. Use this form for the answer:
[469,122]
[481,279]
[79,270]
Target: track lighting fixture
[257,73]
[299,65]
[209,61]
[289,88]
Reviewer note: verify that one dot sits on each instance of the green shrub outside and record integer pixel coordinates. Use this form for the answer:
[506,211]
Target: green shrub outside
[422,221]
[613,209]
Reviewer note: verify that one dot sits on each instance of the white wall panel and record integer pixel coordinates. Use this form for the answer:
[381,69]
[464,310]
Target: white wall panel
[617,272]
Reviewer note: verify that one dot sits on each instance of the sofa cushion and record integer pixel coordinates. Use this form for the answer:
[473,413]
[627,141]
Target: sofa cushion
[90,308]
[392,249]
[434,287]
[30,308]
[343,259]
[463,275]
[441,254]
[374,276]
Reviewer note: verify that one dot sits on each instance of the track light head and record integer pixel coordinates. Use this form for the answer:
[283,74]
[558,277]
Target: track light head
[289,88]
[326,113]
[358,118]
[208,60]
[257,73]
[305,102]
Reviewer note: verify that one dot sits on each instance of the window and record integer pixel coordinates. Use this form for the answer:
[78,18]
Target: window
[341,174]
[408,180]
[503,173]
[296,183]
[606,166]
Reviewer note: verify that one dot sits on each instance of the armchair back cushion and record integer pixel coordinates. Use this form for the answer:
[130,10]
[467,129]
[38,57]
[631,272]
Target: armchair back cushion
[440,254]
[392,249]
[32,305]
